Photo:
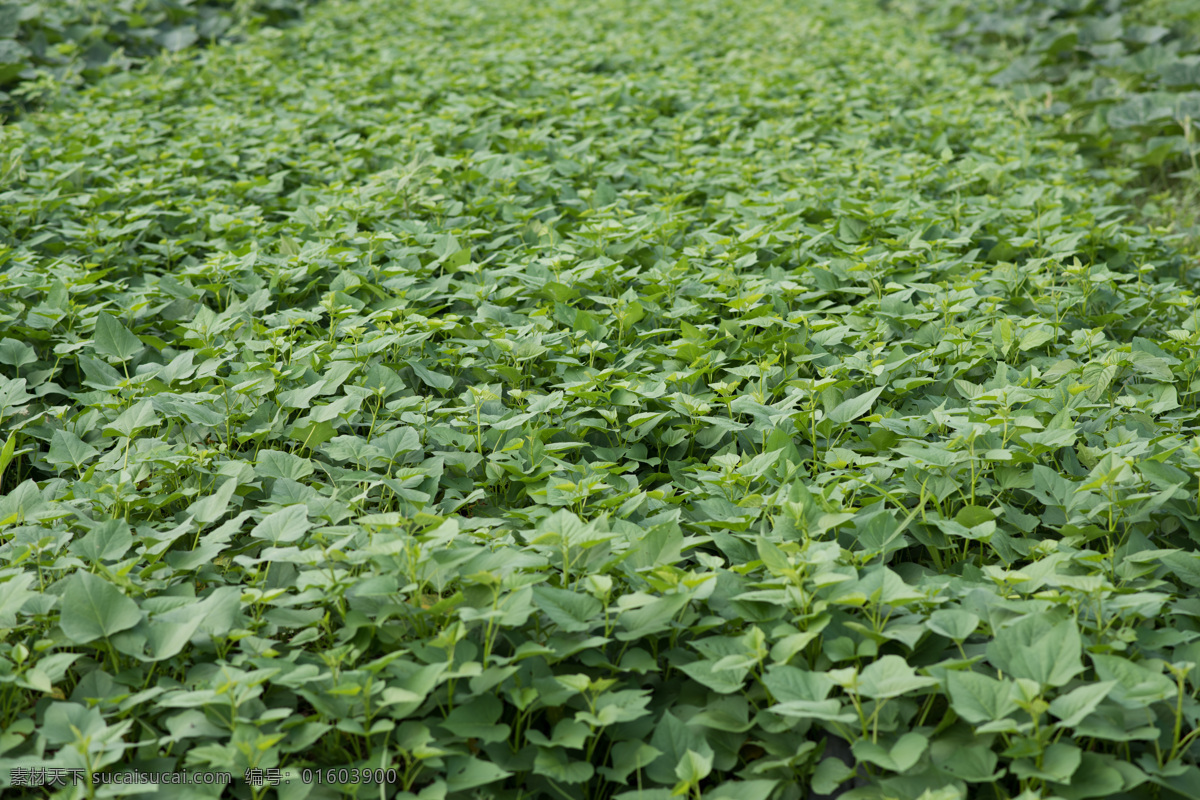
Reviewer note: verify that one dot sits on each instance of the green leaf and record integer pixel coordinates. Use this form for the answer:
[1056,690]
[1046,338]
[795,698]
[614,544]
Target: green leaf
[477,718]
[278,464]
[468,772]
[1138,684]
[67,449]
[772,557]
[1097,776]
[742,790]
[13,594]
[383,381]
[850,410]
[312,434]
[978,698]
[301,398]
[133,419]
[787,683]
[107,541]
[13,53]
[568,733]
[646,794]
[693,767]
[8,451]
[650,618]
[902,756]
[70,722]
[628,757]
[1059,763]
[16,354]
[722,680]
[890,676]
[974,763]
[114,340]
[1072,707]
[92,608]
[953,623]
[435,380]
[558,765]
[211,508]
[286,525]
[160,638]
[571,611]
[673,738]
[1037,649]
[831,773]
[179,38]
[828,710]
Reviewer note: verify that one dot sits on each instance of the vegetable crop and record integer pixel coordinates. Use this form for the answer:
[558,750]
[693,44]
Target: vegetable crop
[610,401]
[46,45]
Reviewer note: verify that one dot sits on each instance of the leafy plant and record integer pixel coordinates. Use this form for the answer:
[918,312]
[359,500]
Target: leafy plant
[631,402]
[48,44]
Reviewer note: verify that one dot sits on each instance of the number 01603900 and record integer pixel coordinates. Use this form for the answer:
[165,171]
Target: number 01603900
[344,775]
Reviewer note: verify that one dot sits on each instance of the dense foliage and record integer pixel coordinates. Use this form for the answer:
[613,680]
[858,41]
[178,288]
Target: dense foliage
[48,44]
[1124,75]
[591,401]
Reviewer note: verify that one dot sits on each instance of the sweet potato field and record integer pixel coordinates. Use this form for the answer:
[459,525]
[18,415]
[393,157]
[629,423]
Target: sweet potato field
[627,400]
